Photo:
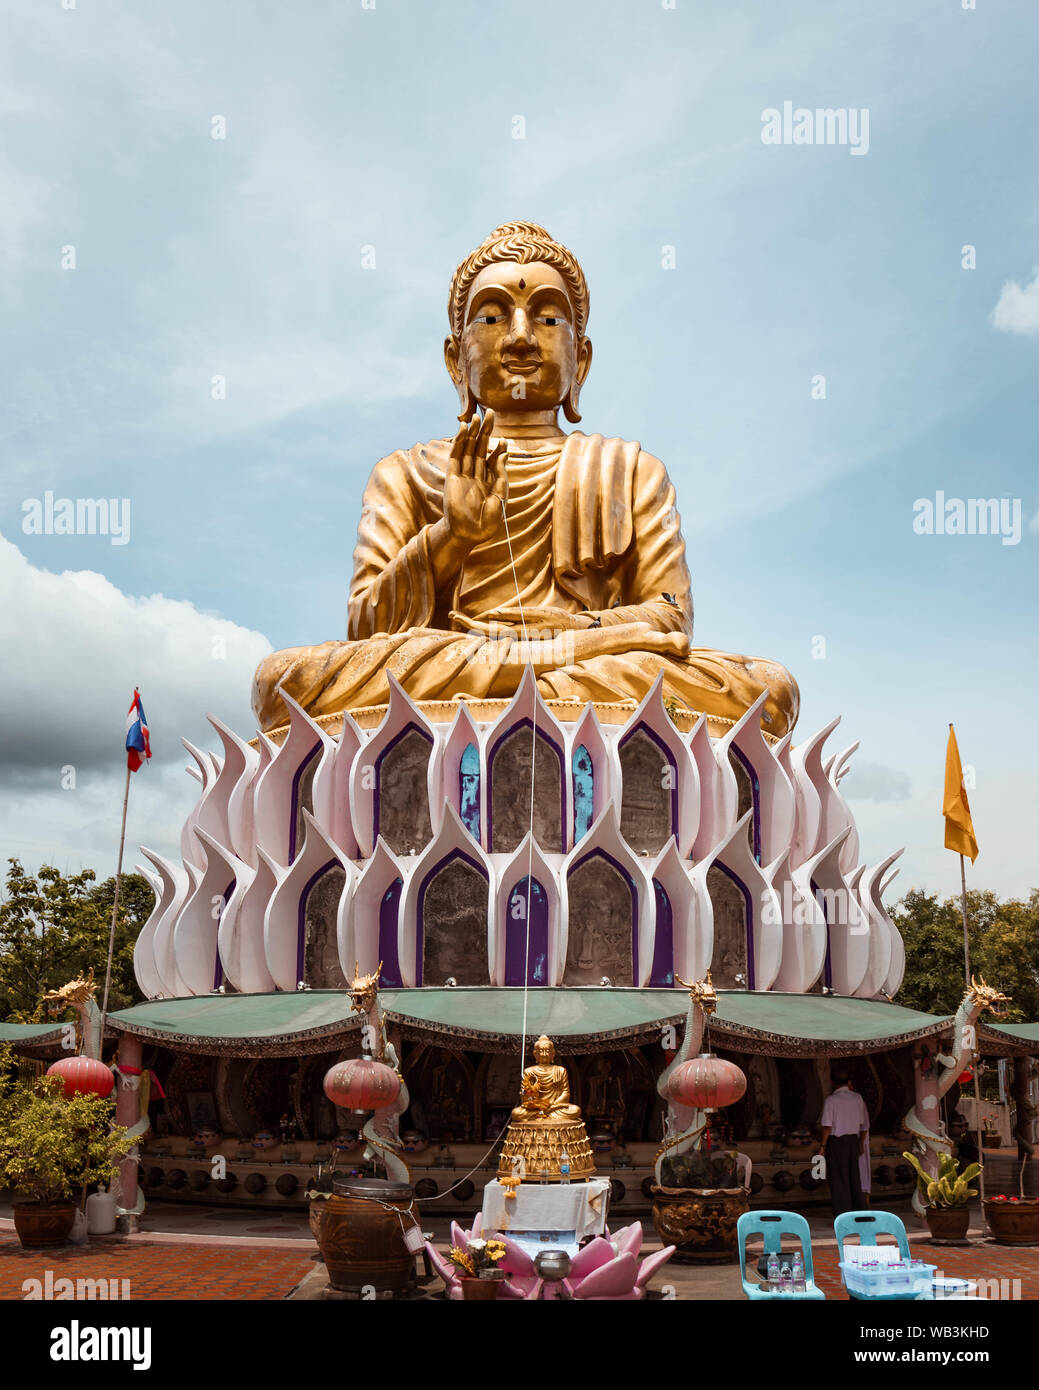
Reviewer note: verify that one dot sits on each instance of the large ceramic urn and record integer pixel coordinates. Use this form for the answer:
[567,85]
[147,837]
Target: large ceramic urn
[361,1235]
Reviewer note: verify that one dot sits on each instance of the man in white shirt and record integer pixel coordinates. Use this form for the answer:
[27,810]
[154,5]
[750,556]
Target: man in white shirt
[845,1126]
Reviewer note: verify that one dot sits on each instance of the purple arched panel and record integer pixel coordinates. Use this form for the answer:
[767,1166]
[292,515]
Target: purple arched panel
[389,916]
[516,954]
[663,972]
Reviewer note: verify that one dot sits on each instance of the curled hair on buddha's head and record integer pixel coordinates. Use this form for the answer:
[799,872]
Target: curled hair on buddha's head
[522,242]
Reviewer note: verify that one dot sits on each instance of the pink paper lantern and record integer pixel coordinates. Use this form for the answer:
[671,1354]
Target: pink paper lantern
[706,1083]
[83,1076]
[362,1084]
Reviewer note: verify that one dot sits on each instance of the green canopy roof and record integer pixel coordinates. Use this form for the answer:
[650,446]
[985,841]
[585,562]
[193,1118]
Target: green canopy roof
[241,1018]
[30,1032]
[1020,1032]
[810,1022]
[796,1023]
[780,1024]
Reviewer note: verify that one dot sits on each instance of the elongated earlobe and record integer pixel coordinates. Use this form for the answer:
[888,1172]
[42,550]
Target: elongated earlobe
[467,401]
[584,362]
[454,360]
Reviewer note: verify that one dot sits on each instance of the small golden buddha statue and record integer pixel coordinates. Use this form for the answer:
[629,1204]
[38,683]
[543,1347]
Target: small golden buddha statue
[547,1124]
[516,543]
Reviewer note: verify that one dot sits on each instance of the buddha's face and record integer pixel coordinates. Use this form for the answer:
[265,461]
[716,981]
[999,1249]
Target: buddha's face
[543,1053]
[519,350]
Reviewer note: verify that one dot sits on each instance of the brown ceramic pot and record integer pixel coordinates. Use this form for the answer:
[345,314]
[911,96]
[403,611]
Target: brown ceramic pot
[1013,1223]
[479,1290]
[700,1223]
[39,1225]
[948,1224]
[361,1238]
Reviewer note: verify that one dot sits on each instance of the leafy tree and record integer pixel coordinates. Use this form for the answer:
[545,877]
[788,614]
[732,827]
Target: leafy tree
[55,926]
[1004,949]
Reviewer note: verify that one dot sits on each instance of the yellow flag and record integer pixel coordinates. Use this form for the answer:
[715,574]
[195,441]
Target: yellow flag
[959,828]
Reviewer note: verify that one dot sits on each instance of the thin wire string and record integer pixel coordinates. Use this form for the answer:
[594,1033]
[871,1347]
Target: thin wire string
[533,758]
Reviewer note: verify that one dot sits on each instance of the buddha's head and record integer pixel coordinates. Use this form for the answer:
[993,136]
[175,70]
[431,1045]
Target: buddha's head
[544,1051]
[518,308]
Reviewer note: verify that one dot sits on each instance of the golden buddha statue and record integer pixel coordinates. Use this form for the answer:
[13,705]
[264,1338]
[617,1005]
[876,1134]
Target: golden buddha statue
[515,543]
[547,1124]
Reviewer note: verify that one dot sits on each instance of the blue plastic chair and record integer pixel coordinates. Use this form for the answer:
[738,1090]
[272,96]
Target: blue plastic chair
[772,1226]
[867,1225]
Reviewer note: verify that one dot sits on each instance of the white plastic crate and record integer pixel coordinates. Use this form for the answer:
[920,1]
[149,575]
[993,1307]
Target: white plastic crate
[894,1279]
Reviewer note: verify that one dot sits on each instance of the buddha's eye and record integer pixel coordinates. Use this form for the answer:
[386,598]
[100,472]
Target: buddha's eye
[550,319]
[488,318]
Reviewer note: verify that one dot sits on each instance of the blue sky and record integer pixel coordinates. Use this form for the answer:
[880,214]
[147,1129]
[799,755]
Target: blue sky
[392,128]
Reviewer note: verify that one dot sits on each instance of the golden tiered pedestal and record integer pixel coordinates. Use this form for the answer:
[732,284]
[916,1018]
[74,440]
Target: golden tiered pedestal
[540,1144]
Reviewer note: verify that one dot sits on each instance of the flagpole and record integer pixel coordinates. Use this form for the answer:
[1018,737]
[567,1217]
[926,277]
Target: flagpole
[963,909]
[975,1053]
[115,913]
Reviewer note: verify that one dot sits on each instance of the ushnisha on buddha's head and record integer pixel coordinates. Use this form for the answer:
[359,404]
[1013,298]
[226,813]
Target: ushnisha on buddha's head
[518,308]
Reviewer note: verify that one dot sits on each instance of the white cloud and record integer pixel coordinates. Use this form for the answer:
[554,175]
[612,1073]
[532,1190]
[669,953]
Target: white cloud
[1018,309]
[74,647]
[267,381]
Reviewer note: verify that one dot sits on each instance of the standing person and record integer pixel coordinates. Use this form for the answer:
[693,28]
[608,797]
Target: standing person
[845,1125]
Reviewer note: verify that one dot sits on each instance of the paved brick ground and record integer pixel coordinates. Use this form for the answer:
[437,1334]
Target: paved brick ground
[244,1272]
[160,1271]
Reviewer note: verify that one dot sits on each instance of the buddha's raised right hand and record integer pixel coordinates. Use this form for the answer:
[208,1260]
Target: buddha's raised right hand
[476,484]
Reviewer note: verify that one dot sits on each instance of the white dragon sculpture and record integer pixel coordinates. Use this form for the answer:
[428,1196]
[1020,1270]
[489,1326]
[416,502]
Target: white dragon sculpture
[381,1131]
[928,1142]
[684,1126]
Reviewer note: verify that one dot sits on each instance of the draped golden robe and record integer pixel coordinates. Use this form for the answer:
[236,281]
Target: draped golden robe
[593,529]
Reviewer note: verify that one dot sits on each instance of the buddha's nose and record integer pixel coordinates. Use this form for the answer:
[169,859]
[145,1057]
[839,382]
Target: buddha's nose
[521,332]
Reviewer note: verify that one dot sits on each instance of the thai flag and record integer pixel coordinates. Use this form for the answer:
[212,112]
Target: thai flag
[137,740]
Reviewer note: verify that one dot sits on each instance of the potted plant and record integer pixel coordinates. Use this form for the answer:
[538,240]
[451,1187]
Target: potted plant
[948,1215]
[696,1206]
[478,1269]
[1014,1220]
[52,1148]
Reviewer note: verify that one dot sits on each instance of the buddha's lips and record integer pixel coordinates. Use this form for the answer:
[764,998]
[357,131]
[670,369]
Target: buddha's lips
[527,366]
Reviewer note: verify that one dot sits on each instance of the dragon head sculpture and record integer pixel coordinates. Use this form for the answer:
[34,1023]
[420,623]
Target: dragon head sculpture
[76,992]
[701,992]
[364,990]
[983,996]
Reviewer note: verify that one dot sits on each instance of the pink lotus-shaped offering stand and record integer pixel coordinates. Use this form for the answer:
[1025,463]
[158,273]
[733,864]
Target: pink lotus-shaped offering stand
[607,1267]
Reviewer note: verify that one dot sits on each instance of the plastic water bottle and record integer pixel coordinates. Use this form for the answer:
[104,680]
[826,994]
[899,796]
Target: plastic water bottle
[786,1280]
[564,1166]
[797,1271]
[773,1273]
